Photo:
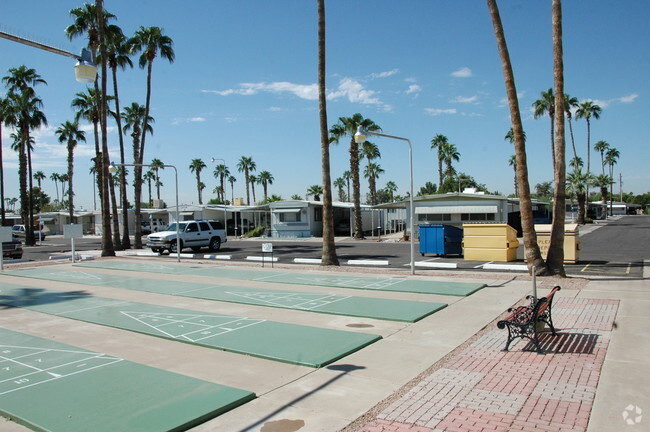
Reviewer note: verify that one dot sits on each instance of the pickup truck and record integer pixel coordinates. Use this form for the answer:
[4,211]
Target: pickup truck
[12,249]
[19,231]
[193,234]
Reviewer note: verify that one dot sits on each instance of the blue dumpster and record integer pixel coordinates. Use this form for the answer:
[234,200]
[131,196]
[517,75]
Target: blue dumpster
[441,240]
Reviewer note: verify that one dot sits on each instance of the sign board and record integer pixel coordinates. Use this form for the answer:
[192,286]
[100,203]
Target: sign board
[71,231]
[5,234]
[267,247]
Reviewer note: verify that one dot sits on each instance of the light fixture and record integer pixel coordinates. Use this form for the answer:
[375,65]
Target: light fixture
[85,70]
[360,136]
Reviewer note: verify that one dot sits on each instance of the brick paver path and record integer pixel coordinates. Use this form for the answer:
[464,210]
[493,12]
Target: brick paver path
[484,389]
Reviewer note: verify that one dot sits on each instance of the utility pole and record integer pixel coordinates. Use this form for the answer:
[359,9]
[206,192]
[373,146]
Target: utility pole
[620,185]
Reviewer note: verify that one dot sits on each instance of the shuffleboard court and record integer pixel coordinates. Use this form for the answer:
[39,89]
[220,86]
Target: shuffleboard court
[460,289]
[288,343]
[50,386]
[394,310]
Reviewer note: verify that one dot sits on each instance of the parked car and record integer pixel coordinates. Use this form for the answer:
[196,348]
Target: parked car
[154,225]
[19,231]
[12,249]
[193,234]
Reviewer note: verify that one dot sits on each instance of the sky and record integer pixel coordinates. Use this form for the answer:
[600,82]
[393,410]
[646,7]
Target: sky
[244,83]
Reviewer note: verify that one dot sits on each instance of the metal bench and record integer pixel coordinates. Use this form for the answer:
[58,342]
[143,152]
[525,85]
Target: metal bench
[523,320]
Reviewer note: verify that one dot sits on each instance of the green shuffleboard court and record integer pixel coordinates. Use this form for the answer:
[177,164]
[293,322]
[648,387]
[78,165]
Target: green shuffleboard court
[49,386]
[394,310]
[289,343]
[356,282]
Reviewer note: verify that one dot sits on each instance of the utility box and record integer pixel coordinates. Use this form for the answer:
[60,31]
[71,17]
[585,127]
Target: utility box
[490,242]
[571,241]
[440,240]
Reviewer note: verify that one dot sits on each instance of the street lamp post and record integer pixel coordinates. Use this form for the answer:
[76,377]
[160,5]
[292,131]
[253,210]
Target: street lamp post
[360,138]
[113,169]
[225,216]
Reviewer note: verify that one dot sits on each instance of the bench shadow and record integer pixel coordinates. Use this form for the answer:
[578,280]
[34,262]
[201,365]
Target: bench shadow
[565,343]
[26,297]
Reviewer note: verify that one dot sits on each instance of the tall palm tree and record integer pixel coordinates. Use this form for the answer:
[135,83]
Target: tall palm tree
[339,184]
[546,105]
[157,165]
[437,143]
[133,117]
[602,181]
[70,134]
[232,179]
[196,166]
[570,103]
[85,104]
[118,57]
[371,172]
[253,180]
[328,256]
[316,191]
[347,126]
[532,252]
[602,147]
[555,257]
[4,112]
[151,42]
[391,188]
[246,165]
[576,182]
[149,176]
[370,151]
[39,176]
[449,153]
[56,178]
[221,173]
[347,176]
[587,110]
[265,178]
[610,159]
[513,163]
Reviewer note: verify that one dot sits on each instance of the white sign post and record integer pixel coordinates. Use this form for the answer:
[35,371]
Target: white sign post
[267,248]
[72,231]
[5,236]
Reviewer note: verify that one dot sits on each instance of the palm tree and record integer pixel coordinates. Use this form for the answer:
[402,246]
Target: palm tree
[371,172]
[437,143]
[254,180]
[513,163]
[602,147]
[391,188]
[232,179]
[25,115]
[118,57]
[347,126]
[603,181]
[577,185]
[56,178]
[371,152]
[347,176]
[85,105]
[569,104]
[449,153]
[532,252]
[587,110]
[546,105]
[4,113]
[265,178]
[246,165]
[39,176]
[196,166]
[316,191]
[221,173]
[339,184]
[157,165]
[610,159]
[70,135]
[133,117]
[149,176]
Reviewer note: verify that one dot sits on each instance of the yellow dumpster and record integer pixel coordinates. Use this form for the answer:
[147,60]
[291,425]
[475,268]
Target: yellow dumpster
[489,242]
[571,241]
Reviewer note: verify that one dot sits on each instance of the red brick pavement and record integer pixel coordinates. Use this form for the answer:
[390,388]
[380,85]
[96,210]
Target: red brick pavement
[485,389]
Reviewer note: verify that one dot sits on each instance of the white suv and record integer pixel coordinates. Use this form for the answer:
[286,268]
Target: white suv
[193,234]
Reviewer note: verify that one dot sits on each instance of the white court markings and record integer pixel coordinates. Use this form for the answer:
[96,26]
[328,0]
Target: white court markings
[291,300]
[22,367]
[343,282]
[191,327]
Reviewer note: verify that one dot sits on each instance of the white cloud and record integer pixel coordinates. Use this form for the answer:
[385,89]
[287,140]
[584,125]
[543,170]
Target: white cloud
[413,88]
[309,92]
[197,119]
[275,109]
[461,99]
[628,98]
[438,111]
[463,72]
[385,74]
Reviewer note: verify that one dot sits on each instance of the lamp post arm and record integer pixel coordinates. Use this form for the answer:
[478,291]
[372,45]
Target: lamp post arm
[38,45]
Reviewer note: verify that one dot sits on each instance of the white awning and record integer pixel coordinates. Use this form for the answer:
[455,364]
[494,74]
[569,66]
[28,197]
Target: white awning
[456,209]
[46,219]
[286,210]
[186,213]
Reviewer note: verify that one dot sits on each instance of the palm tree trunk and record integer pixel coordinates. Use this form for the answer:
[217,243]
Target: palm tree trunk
[555,257]
[29,236]
[116,220]
[2,184]
[356,189]
[532,252]
[126,241]
[70,173]
[328,257]
[573,143]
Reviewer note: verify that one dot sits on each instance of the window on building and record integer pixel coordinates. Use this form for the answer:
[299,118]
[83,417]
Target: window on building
[476,217]
[443,217]
[290,217]
[318,214]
